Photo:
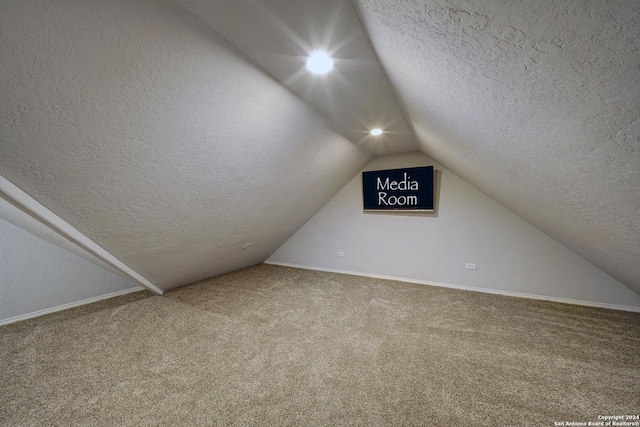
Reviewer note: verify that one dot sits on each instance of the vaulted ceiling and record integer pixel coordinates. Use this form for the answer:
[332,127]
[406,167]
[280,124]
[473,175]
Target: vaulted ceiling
[536,103]
[173,133]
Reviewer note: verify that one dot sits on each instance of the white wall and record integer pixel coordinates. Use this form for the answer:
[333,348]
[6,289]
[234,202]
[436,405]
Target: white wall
[510,253]
[36,275]
[17,217]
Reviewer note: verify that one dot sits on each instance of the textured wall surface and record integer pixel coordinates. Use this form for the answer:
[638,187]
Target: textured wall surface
[535,103]
[150,134]
[37,275]
[510,254]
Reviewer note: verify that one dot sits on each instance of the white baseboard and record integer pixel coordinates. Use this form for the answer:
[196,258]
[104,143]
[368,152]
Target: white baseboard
[465,288]
[70,305]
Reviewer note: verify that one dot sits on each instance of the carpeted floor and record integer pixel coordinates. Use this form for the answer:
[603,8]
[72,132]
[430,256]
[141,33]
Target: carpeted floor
[276,346]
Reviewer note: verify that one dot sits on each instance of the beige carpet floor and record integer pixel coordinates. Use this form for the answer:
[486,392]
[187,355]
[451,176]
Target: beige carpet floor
[275,346]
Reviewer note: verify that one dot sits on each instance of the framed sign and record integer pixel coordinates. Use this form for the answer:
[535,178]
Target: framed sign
[408,189]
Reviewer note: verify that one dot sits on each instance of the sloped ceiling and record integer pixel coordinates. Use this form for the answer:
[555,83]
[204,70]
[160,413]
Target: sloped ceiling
[279,35]
[144,129]
[172,145]
[536,103]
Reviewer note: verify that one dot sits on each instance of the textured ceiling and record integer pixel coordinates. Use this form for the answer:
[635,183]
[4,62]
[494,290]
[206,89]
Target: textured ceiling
[146,130]
[154,137]
[279,35]
[536,103]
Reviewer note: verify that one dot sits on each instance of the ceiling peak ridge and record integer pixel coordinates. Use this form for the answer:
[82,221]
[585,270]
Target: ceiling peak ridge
[277,38]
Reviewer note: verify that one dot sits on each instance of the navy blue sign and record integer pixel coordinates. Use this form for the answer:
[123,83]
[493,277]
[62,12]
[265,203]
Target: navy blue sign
[409,189]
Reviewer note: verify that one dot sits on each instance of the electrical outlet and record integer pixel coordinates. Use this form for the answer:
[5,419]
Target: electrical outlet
[470,266]
[340,253]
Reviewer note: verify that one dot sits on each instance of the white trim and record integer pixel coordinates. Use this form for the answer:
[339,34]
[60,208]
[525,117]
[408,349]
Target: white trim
[465,288]
[28,204]
[70,305]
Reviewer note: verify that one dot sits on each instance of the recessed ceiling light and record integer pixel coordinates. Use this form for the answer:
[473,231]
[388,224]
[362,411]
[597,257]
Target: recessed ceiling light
[376,131]
[319,62]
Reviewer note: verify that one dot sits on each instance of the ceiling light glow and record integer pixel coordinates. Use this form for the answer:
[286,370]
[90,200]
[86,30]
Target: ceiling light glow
[319,62]
[376,132]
